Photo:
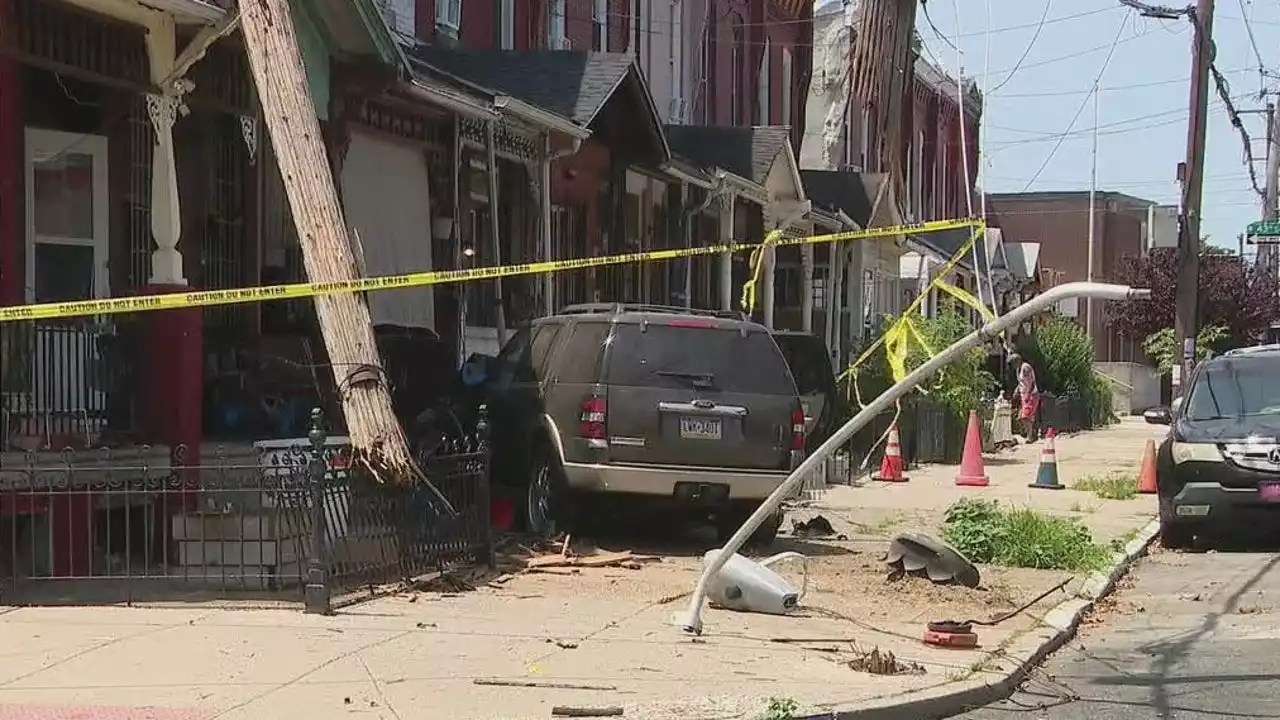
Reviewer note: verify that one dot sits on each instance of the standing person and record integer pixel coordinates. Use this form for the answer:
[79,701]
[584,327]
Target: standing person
[1028,396]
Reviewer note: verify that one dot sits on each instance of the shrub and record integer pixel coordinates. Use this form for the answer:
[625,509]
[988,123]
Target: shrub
[1062,354]
[987,533]
[1162,348]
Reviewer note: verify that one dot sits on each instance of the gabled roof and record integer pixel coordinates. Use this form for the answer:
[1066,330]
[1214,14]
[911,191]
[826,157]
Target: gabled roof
[946,243]
[839,190]
[573,85]
[748,152]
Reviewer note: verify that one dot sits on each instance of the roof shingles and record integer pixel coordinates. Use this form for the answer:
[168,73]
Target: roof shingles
[747,152]
[574,85]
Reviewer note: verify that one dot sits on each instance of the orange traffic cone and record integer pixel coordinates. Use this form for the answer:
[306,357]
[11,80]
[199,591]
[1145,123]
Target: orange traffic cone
[1147,476]
[892,469]
[1047,473]
[973,472]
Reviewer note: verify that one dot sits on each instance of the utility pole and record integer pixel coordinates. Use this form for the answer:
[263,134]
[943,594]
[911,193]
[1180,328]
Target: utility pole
[1267,251]
[1093,216]
[1269,203]
[1187,296]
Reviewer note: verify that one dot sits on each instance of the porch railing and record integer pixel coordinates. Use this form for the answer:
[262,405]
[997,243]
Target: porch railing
[295,524]
[64,383]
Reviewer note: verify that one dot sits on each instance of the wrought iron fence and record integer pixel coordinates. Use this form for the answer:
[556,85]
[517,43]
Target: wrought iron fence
[283,522]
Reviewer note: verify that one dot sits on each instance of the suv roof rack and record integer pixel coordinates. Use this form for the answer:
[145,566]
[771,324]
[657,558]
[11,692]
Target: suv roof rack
[1252,350]
[615,308]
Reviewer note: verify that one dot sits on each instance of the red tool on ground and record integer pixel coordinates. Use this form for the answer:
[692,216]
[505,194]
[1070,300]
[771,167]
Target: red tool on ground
[959,633]
[892,468]
[973,472]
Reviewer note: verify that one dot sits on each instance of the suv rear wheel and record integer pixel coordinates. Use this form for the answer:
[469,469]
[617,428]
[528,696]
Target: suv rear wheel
[731,518]
[548,504]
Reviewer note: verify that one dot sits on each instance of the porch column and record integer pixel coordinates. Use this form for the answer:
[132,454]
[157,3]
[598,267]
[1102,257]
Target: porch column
[175,338]
[726,260]
[689,221]
[855,291]
[767,273]
[548,244]
[835,315]
[806,288]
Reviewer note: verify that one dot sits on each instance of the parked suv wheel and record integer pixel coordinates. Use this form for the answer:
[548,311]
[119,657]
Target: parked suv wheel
[732,518]
[548,505]
[1176,536]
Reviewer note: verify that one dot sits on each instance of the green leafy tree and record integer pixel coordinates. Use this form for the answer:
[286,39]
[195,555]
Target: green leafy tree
[1164,349]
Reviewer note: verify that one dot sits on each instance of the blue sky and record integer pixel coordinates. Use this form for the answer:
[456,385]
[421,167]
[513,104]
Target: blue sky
[1143,120]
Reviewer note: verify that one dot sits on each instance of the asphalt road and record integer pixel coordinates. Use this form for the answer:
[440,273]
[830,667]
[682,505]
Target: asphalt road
[1191,636]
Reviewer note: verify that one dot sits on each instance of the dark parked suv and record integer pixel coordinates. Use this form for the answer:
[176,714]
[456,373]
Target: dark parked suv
[698,408]
[1220,463]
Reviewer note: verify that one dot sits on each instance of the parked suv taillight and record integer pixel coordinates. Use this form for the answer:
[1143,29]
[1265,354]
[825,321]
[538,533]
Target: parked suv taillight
[797,429]
[592,426]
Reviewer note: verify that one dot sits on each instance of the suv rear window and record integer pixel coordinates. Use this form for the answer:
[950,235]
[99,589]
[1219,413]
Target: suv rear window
[669,356]
[1236,387]
[809,365]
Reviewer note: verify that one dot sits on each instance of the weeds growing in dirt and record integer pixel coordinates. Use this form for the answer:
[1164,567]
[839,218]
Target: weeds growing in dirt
[1112,486]
[988,533]
[781,708]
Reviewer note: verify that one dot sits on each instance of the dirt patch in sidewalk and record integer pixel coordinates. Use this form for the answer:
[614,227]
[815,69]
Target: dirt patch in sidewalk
[847,578]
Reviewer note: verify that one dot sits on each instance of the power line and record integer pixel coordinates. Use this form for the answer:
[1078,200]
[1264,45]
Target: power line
[1224,93]
[1087,91]
[1253,42]
[1027,51]
[1080,110]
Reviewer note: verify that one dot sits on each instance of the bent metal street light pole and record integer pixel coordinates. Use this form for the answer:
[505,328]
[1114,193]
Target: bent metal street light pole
[693,620]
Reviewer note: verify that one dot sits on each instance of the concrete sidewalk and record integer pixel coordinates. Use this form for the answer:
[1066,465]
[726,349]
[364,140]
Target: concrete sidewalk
[601,637]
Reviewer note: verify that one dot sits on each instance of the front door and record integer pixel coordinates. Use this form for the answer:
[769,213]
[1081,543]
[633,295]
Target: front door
[66,254]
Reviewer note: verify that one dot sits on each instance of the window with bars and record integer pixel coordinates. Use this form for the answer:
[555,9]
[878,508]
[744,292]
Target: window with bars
[737,78]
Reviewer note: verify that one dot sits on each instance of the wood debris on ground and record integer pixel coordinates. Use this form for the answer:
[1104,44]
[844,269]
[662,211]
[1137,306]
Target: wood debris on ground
[560,556]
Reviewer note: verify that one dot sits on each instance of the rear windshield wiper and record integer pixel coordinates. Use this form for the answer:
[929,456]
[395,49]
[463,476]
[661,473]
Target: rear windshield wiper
[698,379]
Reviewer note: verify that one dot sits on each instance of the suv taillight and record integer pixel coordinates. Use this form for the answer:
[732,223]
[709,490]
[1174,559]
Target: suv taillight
[797,429]
[592,426]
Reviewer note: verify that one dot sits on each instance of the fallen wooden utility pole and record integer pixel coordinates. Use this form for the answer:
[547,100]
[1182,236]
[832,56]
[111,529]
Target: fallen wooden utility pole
[376,436]
[882,67]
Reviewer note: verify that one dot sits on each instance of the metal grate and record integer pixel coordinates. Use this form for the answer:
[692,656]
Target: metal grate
[137,196]
[222,258]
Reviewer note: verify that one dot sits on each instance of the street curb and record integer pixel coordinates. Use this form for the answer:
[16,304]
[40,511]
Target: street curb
[1026,652]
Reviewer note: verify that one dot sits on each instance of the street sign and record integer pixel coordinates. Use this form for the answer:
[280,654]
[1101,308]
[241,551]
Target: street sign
[1263,231]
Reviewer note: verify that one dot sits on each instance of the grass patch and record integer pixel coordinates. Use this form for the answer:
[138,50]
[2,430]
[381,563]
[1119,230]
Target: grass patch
[1114,485]
[991,534]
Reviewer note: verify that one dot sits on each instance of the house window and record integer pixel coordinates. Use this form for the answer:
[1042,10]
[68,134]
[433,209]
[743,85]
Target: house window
[676,53]
[917,165]
[637,31]
[507,25]
[819,298]
[600,34]
[709,67]
[868,141]
[785,99]
[762,87]
[737,94]
[449,14]
[556,38]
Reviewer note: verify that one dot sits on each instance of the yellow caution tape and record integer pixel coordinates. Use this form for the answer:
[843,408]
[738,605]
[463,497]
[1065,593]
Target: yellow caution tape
[207,298]
[756,263]
[895,339]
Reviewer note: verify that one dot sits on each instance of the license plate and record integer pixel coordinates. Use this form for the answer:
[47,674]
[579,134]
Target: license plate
[692,428]
[1269,492]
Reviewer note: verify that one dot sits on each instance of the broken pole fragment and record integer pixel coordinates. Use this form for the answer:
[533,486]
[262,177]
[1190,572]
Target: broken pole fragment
[378,441]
